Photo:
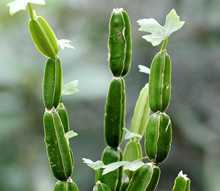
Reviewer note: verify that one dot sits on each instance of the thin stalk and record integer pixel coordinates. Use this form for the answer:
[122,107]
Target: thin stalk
[31,12]
[164,44]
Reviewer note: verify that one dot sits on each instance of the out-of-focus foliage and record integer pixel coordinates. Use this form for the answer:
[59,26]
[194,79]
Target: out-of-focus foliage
[195,102]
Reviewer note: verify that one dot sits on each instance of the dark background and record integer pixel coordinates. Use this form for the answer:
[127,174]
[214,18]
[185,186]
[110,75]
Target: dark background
[195,112]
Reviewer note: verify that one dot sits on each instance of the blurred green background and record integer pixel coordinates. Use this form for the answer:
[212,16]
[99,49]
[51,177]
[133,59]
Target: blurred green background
[196,89]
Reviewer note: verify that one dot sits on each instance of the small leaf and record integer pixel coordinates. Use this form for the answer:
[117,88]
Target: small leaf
[18,5]
[94,165]
[173,22]
[134,165]
[70,88]
[130,135]
[157,32]
[113,166]
[144,69]
[151,26]
[65,43]
[71,134]
[155,40]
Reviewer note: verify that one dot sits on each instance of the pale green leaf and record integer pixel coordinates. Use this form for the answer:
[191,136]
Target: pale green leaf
[70,134]
[19,5]
[151,26]
[130,135]
[155,40]
[134,165]
[173,22]
[70,88]
[113,166]
[94,165]
[131,166]
[158,33]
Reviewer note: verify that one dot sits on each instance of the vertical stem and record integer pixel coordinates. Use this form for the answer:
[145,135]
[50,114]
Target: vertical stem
[31,11]
[164,44]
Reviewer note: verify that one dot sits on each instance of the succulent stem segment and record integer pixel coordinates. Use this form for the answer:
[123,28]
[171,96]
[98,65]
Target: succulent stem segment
[56,119]
[120,56]
[158,135]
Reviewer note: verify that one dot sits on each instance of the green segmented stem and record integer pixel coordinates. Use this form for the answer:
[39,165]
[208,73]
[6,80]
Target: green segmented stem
[58,150]
[160,82]
[165,139]
[52,83]
[43,37]
[120,43]
[50,34]
[114,113]
[158,137]
[116,42]
[120,55]
[49,83]
[55,119]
